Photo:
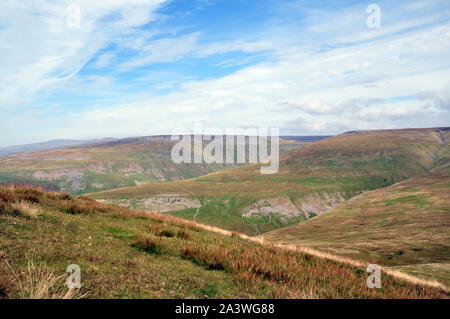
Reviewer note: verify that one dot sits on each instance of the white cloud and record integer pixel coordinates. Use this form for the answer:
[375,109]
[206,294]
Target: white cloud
[301,88]
[38,49]
[162,50]
[237,45]
[104,60]
[439,100]
[345,88]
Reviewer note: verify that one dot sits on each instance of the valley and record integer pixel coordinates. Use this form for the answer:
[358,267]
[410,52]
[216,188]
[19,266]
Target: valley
[311,180]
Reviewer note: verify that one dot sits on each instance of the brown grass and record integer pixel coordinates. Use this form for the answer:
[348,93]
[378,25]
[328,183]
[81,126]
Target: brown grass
[25,209]
[183,234]
[320,254]
[148,244]
[41,283]
[299,274]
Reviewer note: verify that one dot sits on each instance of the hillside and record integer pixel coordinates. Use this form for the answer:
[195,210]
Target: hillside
[405,226]
[311,180]
[131,254]
[107,165]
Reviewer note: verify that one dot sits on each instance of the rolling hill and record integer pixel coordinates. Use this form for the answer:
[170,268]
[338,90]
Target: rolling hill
[311,180]
[405,226]
[124,253]
[107,165]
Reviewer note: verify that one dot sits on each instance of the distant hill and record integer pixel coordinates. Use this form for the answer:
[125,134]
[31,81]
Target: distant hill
[48,145]
[95,165]
[311,180]
[305,138]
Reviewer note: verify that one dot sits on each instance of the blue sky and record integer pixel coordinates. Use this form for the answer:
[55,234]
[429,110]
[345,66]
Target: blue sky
[143,67]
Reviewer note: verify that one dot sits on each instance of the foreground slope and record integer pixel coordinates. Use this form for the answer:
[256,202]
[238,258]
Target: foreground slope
[130,254]
[310,181]
[106,165]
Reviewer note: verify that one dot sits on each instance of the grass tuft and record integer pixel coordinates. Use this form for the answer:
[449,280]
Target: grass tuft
[148,244]
[183,234]
[25,209]
[41,283]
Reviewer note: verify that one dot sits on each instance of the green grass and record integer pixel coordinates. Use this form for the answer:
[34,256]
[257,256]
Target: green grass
[417,200]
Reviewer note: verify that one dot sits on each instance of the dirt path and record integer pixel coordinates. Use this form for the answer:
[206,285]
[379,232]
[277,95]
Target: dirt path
[348,261]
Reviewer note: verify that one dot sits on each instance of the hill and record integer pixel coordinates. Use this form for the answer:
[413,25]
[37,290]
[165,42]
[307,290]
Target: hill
[107,165]
[48,145]
[124,253]
[311,180]
[405,226]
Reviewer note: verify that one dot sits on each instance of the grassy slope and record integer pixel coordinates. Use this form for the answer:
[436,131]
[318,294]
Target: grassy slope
[405,225]
[129,254]
[318,174]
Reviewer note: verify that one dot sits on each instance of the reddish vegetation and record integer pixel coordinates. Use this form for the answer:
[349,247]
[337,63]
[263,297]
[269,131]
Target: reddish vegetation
[288,271]
[48,188]
[61,201]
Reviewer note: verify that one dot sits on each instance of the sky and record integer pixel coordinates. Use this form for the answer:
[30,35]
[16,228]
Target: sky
[145,67]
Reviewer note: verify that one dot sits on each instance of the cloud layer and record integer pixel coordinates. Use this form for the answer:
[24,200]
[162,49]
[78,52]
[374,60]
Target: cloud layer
[135,68]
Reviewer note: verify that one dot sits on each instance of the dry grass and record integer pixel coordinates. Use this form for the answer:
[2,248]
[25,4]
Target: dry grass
[323,255]
[294,274]
[26,209]
[148,244]
[183,234]
[41,283]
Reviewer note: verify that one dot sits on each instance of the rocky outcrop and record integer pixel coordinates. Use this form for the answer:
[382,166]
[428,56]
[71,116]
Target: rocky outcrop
[315,204]
[277,205]
[308,206]
[132,168]
[74,177]
[169,202]
[159,203]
